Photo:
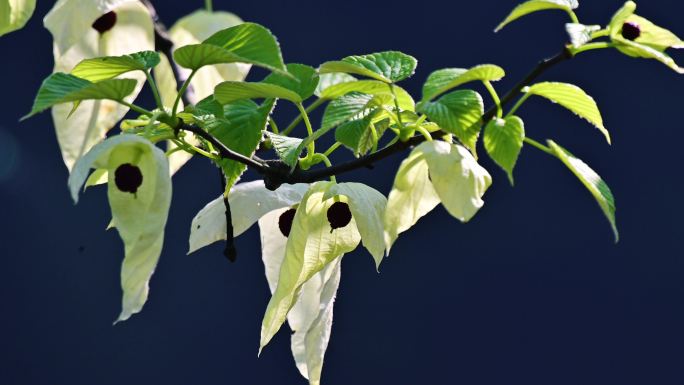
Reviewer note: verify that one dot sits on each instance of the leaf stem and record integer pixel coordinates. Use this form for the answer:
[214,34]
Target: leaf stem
[155,89]
[273,125]
[311,147]
[324,158]
[396,105]
[332,148]
[182,90]
[298,119]
[573,16]
[135,108]
[538,146]
[426,134]
[592,46]
[208,5]
[517,105]
[495,97]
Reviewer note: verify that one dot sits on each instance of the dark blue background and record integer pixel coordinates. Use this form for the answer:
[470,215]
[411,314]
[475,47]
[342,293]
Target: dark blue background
[532,291]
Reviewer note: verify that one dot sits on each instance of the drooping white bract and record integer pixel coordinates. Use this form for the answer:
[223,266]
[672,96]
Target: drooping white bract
[311,316]
[311,245]
[248,202]
[70,22]
[14,14]
[195,28]
[139,217]
[434,172]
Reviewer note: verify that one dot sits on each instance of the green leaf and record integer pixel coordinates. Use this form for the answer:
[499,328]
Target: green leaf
[311,245]
[348,106]
[109,67]
[286,147]
[446,79]
[195,28]
[573,98]
[459,113]
[228,92]
[358,135]
[241,131]
[580,34]
[304,82]
[367,206]
[14,14]
[311,316]
[503,140]
[591,180]
[139,217]
[370,87]
[61,88]
[535,6]
[330,79]
[245,43]
[388,66]
[248,202]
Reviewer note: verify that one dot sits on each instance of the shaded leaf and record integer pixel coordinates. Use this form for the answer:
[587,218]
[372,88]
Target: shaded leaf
[61,88]
[459,113]
[286,147]
[503,140]
[330,79]
[304,80]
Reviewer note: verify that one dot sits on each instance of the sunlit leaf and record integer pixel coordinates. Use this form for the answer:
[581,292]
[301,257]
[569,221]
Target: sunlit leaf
[311,245]
[109,67]
[388,66]
[459,113]
[446,79]
[535,6]
[248,202]
[503,140]
[139,216]
[244,43]
[573,98]
[195,28]
[591,180]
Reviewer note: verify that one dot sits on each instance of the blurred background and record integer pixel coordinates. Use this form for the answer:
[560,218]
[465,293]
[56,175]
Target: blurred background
[533,291]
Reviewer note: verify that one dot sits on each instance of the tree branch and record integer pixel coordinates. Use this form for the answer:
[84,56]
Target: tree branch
[276,172]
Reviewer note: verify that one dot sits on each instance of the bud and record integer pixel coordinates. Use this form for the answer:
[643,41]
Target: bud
[339,215]
[128,178]
[285,221]
[631,30]
[105,22]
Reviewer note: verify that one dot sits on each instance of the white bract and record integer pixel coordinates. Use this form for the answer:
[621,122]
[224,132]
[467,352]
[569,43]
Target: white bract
[139,217]
[434,172]
[14,14]
[70,22]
